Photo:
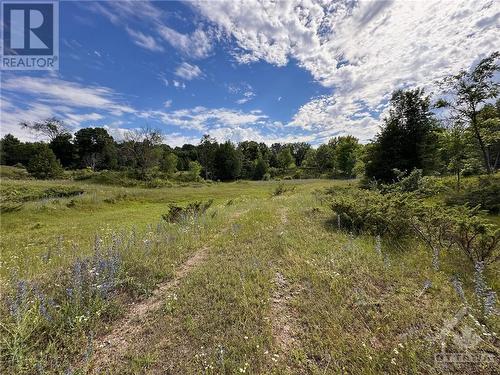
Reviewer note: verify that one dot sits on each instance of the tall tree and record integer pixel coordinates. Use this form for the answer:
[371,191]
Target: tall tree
[346,155]
[9,149]
[95,148]
[227,162]
[469,92]
[406,138]
[64,149]
[299,151]
[325,158]
[286,160]
[206,155]
[261,167]
[142,146]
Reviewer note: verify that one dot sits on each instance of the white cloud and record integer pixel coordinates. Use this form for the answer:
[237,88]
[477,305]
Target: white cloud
[50,96]
[361,50]
[178,84]
[145,41]
[203,119]
[196,45]
[168,103]
[188,71]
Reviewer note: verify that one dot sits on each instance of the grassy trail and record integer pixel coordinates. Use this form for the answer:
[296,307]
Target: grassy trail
[261,284]
[279,294]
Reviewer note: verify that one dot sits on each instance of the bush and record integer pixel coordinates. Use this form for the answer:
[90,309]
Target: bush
[282,189]
[178,213]
[114,178]
[14,173]
[486,194]
[83,174]
[399,215]
[373,213]
[156,183]
[43,164]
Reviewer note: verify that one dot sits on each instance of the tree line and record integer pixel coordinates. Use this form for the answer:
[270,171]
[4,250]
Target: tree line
[457,133]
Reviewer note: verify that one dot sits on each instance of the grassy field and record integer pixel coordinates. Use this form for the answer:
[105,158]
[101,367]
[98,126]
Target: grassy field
[95,282]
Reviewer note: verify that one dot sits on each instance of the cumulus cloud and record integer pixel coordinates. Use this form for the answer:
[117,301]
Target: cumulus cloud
[361,50]
[188,71]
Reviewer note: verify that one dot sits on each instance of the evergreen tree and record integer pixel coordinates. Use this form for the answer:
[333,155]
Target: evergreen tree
[406,138]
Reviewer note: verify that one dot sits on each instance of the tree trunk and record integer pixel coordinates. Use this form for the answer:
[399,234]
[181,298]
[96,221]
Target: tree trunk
[484,150]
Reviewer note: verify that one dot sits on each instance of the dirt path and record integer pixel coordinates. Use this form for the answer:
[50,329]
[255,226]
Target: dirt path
[116,343]
[284,319]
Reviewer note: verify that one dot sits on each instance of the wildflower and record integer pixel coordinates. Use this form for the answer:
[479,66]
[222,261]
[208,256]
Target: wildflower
[396,351]
[393,361]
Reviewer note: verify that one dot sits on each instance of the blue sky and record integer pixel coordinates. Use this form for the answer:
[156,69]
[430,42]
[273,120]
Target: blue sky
[290,71]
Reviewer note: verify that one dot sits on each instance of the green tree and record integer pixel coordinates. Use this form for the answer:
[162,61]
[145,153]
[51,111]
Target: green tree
[43,163]
[489,124]
[64,149]
[470,91]
[9,149]
[345,152]
[168,163]
[299,151]
[453,146]
[406,139]
[142,147]
[227,162]
[286,160]
[95,148]
[261,168]
[194,169]
[325,158]
[206,155]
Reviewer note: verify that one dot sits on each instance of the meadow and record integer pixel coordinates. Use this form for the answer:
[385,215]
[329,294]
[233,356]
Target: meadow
[244,277]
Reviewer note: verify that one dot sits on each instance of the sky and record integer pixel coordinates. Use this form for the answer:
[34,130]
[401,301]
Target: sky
[285,71]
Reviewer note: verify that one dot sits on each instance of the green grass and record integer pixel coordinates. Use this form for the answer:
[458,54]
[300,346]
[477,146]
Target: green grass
[272,261]
[62,223]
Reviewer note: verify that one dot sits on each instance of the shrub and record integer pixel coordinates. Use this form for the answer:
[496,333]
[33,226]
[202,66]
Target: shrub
[178,213]
[43,164]
[282,189]
[486,194]
[83,174]
[401,215]
[17,193]
[14,173]
[373,213]
[158,183]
